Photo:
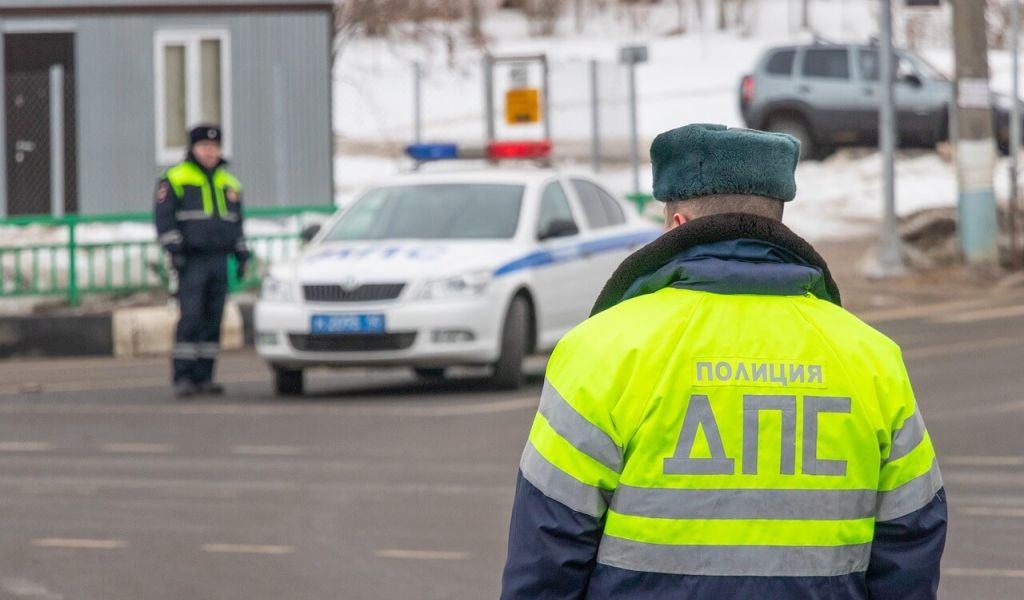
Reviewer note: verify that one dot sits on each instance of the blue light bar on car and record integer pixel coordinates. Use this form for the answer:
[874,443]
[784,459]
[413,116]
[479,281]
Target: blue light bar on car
[426,152]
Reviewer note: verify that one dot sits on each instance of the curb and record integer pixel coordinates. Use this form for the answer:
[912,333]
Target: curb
[103,334]
[44,336]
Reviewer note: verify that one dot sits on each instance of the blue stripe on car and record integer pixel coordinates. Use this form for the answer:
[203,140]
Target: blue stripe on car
[569,253]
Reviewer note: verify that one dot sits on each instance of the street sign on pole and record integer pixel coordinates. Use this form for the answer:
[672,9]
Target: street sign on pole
[522,106]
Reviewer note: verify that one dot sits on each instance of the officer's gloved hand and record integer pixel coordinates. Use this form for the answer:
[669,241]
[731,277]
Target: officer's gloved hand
[240,269]
[178,260]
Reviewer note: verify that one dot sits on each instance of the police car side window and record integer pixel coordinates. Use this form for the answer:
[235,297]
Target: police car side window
[596,208]
[611,207]
[554,206]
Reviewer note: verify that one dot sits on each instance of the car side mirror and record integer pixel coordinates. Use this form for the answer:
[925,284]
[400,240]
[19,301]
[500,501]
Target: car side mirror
[912,79]
[559,228]
[309,232]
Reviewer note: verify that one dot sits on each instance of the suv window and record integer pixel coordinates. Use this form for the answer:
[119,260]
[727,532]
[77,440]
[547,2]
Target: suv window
[781,63]
[869,64]
[599,208]
[830,63]
[554,206]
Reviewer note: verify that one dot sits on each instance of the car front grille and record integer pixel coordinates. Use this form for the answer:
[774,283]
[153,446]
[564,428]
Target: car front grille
[352,342]
[370,292]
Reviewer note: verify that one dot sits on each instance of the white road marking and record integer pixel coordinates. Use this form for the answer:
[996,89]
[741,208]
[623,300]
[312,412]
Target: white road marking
[986,314]
[25,446]
[267,450]
[991,511]
[983,461]
[247,549]
[26,588]
[421,554]
[80,544]
[966,347]
[963,572]
[137,448]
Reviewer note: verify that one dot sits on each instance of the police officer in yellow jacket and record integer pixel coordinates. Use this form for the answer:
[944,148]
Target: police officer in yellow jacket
[198,212]
[720,427]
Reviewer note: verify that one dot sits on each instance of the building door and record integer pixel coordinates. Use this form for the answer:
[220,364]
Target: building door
[34,91]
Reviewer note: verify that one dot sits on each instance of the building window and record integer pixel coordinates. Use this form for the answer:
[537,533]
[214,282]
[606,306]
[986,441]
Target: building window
[193,85]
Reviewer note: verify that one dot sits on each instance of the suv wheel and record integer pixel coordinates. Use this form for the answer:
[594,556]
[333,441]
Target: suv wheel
[797,128]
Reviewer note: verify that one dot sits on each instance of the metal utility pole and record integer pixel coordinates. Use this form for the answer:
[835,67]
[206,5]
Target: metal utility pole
[1016,259]
[975,152]
[417,101]
[890,256]
[805,14]
[631,56]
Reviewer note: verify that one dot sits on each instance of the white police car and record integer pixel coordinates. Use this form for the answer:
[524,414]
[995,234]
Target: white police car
[433,270]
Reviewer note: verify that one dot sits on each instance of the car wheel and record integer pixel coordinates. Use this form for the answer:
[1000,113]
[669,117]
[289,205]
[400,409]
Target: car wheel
[797,128]
[430,373]
[288,382]
[508,371]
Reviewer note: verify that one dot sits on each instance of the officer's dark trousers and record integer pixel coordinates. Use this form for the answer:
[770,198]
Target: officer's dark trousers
[202,288]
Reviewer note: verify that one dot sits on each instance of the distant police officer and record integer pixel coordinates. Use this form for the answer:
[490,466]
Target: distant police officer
[720,427]
[199,222]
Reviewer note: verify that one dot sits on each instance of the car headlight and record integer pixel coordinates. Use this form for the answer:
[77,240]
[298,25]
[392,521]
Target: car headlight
[460,286]
[277,290]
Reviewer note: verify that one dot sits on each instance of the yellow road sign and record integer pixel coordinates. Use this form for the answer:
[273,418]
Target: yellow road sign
[522,106]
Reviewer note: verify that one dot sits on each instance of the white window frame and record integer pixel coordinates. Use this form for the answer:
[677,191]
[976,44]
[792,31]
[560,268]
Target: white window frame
[191,40]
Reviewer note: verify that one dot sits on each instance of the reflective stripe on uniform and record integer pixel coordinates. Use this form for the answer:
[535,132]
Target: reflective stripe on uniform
[560,486]
[191,215]
[186,351]
[910,496]
[905,439]
[577,430]
[756,561]
[665,503]
[207,350]
[170,237]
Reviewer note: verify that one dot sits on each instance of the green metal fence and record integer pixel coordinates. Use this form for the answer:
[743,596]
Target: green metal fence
[72,268]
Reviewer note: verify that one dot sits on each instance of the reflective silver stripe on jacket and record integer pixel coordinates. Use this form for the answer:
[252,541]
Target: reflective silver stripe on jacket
[754,561]
[908,437]
[577,430]
[560,486]
[230,217]
[192,215]
[821,505]
[170,237]
[911,496]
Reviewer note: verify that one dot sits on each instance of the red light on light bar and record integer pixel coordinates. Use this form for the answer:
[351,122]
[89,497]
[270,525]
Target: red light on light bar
[531,150]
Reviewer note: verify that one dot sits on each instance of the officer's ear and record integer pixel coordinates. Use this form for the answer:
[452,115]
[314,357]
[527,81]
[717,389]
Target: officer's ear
[673,218]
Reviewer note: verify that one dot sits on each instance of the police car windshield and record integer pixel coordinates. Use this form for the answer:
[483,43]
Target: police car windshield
[435,211]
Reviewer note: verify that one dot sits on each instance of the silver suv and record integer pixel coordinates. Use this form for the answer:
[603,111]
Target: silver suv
[828,95]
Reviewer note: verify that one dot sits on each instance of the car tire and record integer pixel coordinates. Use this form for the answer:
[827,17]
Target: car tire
[508,370]
[289,382]
[797,128]
[430,373]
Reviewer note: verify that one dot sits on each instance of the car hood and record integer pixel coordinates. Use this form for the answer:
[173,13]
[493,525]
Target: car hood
[396,261]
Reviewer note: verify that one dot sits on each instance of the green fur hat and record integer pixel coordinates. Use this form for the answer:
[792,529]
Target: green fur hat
[706,160]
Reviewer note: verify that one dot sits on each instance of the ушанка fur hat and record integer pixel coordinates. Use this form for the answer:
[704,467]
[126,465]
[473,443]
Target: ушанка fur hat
[707,160]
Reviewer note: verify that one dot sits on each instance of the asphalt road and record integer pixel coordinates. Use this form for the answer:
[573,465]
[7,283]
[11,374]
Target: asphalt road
[379,486]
